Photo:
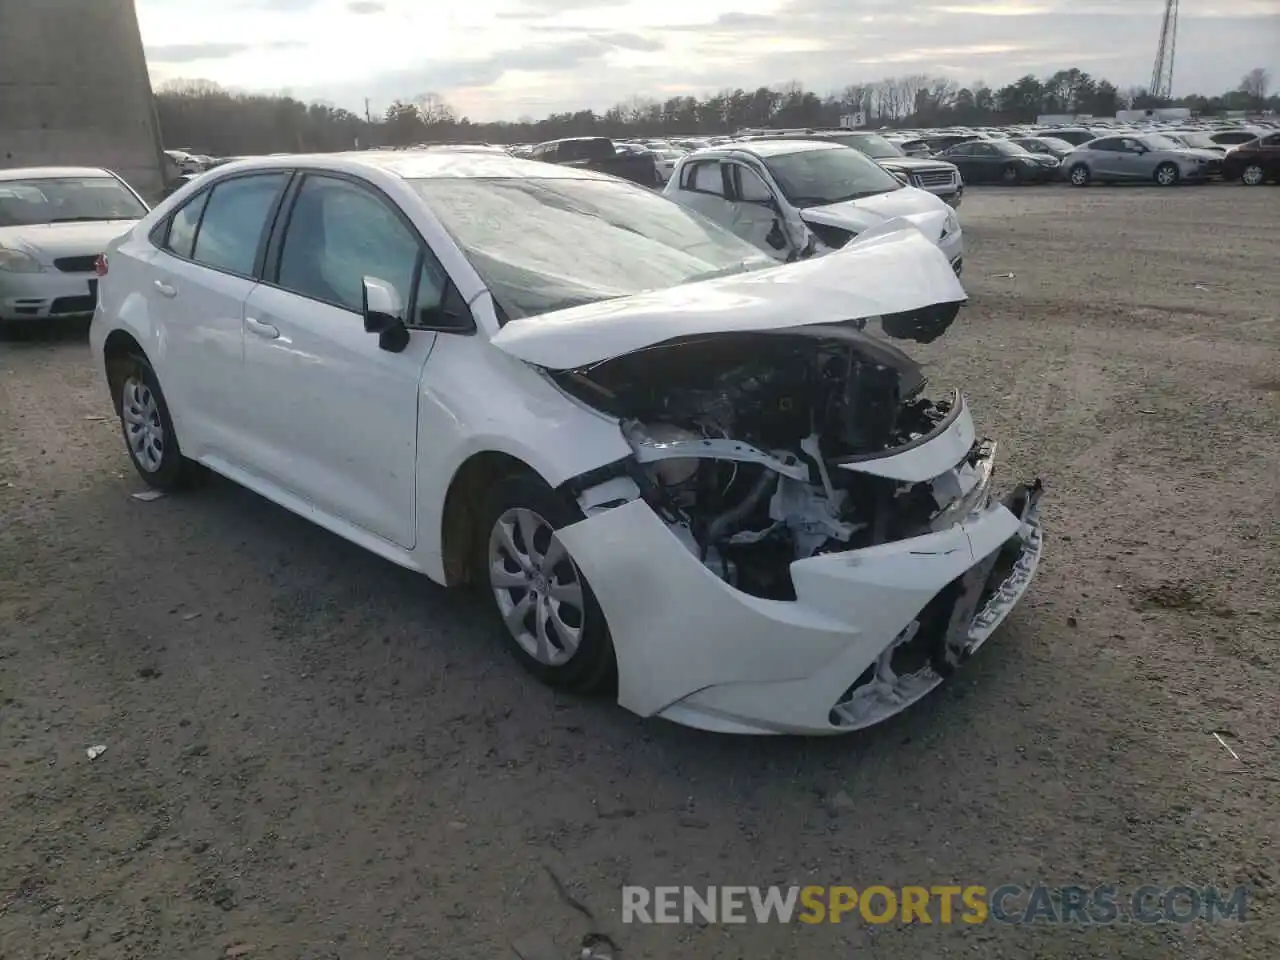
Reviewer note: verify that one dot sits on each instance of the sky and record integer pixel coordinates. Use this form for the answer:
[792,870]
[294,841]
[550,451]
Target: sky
[507,59]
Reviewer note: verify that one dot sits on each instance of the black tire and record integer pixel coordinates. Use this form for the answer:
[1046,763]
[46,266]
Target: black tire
[1167,175]
[1011,175]
[1079,175]
[592,667]
[131,382]
[1253,175]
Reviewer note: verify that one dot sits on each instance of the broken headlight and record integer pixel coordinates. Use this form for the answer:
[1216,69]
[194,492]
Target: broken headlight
[965,489]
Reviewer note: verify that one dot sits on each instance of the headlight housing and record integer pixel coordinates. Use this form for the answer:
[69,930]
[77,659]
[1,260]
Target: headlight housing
[18,261]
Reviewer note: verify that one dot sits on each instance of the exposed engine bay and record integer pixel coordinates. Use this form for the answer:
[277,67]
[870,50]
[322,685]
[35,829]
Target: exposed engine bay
[748,445]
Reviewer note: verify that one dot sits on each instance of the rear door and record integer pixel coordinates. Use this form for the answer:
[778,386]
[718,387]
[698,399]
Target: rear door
[335,416]
[1105,162]
[210,251]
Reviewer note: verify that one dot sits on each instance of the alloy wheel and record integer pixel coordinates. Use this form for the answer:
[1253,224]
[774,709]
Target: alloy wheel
[143,428]
[537,586]
[1252,175]
[1079,176]
[1167,175]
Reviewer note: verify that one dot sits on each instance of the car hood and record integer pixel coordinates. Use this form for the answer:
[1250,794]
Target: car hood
[49,241]
[913,163]
[1200,153]
[920,207]
[892,269]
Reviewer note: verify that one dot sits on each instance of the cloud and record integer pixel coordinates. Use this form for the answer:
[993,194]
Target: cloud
[192,52]
[495,59]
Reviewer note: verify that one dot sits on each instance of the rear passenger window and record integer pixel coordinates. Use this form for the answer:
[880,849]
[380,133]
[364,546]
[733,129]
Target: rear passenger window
[182,227]
[234,220]
[705,178]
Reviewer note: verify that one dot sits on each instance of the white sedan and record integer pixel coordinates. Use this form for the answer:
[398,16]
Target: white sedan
[710,483]
[794,198]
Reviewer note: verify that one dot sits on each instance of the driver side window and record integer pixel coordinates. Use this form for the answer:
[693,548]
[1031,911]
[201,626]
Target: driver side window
[750,187]
[338,234]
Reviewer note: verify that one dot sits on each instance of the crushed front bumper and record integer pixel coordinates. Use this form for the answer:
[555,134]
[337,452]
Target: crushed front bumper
[694,650]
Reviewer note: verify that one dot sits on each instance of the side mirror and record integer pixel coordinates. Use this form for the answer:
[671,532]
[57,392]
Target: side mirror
[901,177]
[383,314]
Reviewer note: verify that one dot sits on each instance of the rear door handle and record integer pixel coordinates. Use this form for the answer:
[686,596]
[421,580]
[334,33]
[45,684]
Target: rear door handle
[165,289]
[264,330]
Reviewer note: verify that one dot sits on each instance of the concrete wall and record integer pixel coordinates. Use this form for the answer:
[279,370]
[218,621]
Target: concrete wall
[74,89]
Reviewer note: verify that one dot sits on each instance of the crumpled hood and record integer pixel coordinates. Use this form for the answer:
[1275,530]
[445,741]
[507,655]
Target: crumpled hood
[1200,153]
[920,207]
[915,164]
[891,269]
[49,241]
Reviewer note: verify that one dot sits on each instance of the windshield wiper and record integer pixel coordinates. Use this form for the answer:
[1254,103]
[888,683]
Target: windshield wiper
[81,219]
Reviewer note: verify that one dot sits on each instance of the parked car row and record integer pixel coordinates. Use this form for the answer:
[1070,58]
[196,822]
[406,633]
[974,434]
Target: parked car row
[613,415]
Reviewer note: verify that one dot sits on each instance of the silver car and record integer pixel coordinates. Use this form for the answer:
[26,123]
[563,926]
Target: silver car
[54,222]
[1147,157]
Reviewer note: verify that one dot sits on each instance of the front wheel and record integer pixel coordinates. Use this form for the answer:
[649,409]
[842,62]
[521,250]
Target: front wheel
[553,624]
[148,430]
[1079,175]
[1252,175]
[1167,174]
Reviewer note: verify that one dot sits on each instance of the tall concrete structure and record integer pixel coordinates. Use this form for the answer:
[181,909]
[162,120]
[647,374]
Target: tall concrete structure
[74,89]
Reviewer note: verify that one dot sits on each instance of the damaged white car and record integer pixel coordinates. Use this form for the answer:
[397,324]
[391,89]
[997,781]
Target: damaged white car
[712,483]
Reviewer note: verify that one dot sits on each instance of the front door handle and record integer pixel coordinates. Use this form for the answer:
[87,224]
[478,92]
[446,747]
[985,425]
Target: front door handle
[165,289]
[264,330]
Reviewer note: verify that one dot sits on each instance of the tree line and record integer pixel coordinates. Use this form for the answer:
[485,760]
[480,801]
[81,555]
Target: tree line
[204,117]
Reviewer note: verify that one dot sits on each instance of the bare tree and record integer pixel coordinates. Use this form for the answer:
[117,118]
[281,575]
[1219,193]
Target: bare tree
[1255,85]
[433,110]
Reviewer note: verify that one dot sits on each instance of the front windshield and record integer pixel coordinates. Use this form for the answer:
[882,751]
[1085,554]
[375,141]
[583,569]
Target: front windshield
[548,244]
[1156,141]
[66,200]
[872,144]
[812,178]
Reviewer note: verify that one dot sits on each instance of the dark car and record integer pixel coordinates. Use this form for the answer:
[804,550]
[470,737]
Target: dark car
[939,177]
[1001,161]
[1047,146]
[599,153]
[1255,162]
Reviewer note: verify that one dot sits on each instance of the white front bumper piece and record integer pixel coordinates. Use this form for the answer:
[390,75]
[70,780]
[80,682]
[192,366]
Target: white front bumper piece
[870,632]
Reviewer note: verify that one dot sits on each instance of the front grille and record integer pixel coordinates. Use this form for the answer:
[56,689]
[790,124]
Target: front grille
[934,178]
[1214,166]
[85,304]
[76,264]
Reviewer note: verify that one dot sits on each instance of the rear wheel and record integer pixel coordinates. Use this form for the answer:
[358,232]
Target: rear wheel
[1252,175]
[1079,175]
[553,624]
[148,430]
[1011,175]
[1167,174]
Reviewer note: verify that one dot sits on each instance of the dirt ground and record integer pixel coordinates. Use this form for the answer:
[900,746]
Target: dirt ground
[313,754]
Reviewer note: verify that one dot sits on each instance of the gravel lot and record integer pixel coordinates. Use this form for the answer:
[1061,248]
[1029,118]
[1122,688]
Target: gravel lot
[314,754]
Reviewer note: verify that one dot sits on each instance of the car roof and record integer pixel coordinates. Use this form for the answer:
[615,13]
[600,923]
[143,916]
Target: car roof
[421,165]
[51,173]
[779,147]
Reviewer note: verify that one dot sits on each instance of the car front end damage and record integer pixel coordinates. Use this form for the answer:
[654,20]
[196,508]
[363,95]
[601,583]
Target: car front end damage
[806,545]
[803,538]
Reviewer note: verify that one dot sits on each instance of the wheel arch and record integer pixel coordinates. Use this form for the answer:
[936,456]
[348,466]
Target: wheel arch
[118,350]
[460,538]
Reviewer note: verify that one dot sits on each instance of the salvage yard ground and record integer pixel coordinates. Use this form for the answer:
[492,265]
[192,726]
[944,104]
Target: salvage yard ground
[313,754]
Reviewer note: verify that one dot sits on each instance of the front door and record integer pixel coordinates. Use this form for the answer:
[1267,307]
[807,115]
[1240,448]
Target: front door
[757,212]
[335,417]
